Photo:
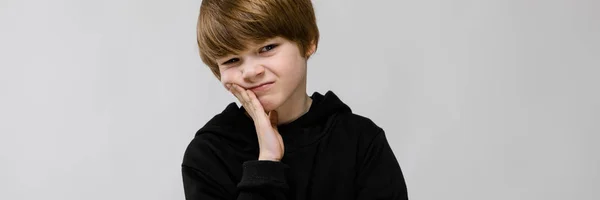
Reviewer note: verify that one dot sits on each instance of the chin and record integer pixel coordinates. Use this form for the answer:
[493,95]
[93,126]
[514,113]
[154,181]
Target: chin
[269,102]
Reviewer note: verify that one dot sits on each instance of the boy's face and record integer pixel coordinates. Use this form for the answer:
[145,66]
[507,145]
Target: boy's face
[277,65]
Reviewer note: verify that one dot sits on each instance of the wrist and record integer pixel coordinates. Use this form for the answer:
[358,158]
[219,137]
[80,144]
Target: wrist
[269,158]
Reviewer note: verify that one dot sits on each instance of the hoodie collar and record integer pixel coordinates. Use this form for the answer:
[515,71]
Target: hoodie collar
[236,126]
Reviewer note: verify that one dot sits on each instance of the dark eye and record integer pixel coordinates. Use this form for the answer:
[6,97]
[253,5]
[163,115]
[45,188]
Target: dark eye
[231,61]
[268,48]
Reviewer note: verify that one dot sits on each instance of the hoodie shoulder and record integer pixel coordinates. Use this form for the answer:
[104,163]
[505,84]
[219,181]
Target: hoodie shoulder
[353,121]
[359,129]
[347,120]
[213,138]
[201,150]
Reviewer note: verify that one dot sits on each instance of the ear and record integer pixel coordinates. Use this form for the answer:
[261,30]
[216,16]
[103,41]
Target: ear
[310,50]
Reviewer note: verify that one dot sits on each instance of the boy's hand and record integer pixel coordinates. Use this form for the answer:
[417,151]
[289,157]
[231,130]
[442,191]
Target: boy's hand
[269,140]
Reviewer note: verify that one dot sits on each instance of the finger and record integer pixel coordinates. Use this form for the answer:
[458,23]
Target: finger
[260,111]
[247,99]
[244,94]
[236,92]
[241,95]
[249,106]
[254,100]
[239,92]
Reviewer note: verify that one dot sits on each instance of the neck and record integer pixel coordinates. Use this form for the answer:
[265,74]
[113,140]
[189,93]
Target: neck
[294,108]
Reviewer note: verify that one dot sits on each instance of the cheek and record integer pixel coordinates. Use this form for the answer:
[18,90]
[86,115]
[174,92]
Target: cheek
[286,66]
[227,76]
[295,67]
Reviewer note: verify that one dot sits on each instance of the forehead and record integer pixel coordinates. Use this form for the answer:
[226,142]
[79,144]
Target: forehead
[260,43]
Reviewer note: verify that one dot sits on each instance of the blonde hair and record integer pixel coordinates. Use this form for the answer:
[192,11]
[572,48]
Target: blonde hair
[229,26]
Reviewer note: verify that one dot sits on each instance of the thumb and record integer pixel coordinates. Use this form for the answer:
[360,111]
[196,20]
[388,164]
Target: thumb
[273,117]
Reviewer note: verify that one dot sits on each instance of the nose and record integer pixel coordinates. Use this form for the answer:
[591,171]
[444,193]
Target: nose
[251,71]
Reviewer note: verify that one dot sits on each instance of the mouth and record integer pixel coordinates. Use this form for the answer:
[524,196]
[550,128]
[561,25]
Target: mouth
[261,87]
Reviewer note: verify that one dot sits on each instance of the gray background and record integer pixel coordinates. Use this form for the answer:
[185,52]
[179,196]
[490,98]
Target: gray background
[479,99]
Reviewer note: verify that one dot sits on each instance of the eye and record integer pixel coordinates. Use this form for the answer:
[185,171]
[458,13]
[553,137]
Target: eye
[268,48]
[233,60]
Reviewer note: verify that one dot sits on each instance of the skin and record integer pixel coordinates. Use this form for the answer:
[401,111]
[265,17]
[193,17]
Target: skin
[279,61]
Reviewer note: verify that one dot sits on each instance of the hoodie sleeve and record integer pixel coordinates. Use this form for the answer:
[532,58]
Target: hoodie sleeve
[263,180]
[205,177]
[380,176]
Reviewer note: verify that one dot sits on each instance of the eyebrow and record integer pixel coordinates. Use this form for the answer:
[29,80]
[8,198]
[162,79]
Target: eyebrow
[251,46]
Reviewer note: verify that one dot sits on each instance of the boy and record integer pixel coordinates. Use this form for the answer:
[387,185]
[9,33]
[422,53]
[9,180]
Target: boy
[281,143]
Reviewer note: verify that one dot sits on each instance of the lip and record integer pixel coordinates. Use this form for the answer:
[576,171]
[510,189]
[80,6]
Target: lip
[262,87]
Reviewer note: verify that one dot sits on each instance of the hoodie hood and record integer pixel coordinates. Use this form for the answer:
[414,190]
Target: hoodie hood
[238,129]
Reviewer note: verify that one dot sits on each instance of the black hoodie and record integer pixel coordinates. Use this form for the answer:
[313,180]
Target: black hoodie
[330,153]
